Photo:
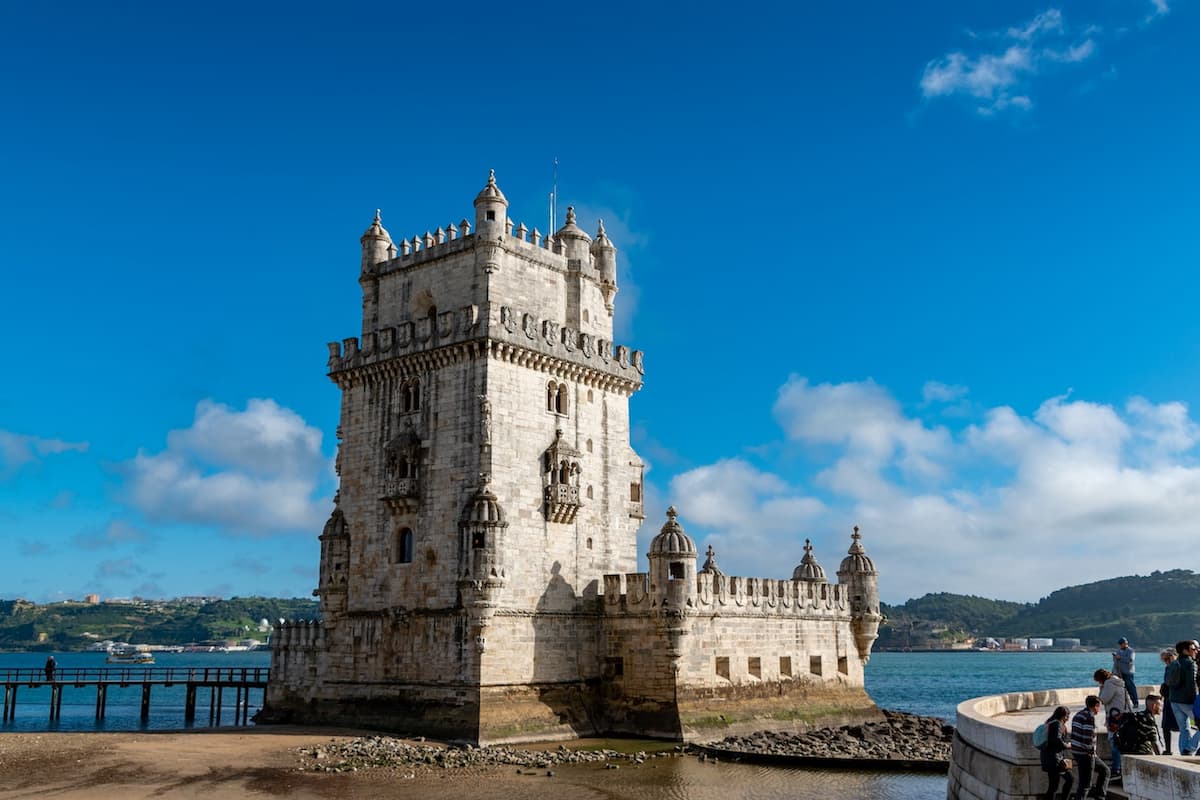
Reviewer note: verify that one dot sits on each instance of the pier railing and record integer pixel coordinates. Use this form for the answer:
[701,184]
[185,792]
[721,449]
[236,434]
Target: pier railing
[216,679]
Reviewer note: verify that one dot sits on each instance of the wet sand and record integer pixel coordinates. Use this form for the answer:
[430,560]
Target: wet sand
[224,764]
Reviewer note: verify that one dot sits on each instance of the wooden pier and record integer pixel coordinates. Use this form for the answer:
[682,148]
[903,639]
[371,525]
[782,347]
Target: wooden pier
[216,679]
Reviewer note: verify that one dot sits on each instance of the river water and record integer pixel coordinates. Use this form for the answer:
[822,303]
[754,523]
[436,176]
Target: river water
[930,684]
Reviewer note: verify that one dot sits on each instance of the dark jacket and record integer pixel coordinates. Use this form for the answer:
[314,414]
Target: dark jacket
[1146,734]
[1181,680]
[1054,751]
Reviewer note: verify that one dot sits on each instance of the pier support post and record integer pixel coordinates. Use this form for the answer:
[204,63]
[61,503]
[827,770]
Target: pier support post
[101,700]
[189,704]
[220,697]
[10,702]
[145,702]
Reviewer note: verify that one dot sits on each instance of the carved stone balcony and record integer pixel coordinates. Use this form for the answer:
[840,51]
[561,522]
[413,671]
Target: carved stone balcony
[636,510]
[562,502]
[401,494]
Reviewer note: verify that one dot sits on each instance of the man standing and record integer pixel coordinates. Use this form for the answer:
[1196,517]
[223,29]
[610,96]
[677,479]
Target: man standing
[1181,683]
[1123,668]
[1083,749]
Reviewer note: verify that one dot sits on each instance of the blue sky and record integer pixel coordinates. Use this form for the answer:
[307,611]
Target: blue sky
[925,268]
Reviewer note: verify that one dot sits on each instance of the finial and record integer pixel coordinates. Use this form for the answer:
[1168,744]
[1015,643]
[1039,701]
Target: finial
[491,177]
[856,547]
[856,534]
[377,220]
[671,514]
[808,546]
[709,553]
[484,479]
[570,215]
[600,232]
[710,562]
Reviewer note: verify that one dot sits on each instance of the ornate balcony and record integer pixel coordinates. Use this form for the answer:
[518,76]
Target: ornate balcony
[401,494]
[562,502]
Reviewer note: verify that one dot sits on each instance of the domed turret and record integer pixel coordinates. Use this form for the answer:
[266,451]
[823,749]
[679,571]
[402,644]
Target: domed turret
[857,573]
[604,255]
[809,569]
[574,240]
[491,206]
[335,563]
[376,244]
[672,566]
[481,526]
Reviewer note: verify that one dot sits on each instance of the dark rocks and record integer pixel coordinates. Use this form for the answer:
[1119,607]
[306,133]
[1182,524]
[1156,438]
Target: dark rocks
[900,737]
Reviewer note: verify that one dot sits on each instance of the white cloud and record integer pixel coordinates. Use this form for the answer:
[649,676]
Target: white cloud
[999,78]
[1006,507]
[1161,8]
[17,450]
[254,472]
[938,392]
[114,535]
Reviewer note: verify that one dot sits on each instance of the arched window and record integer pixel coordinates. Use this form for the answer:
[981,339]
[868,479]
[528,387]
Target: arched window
[404,546]
[585,315]
[433,329]
[589,445]
[552,396]
[410,396]
[560,401]
[589,493]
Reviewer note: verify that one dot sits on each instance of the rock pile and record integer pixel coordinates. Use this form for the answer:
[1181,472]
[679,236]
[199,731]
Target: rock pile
[899,737]
[383,751]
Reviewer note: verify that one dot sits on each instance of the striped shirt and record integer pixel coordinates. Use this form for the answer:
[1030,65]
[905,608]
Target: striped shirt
[1083,733]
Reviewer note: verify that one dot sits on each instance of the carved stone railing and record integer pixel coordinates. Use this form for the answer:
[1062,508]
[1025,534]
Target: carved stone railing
[402,494]
[562,502]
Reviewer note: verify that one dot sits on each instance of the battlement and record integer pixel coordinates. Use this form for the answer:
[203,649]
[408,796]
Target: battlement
[630,593]
[523,330]
[297,634]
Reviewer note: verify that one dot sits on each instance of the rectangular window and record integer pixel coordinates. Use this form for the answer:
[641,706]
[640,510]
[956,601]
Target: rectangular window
[814,665]
[635,492]
[843,665]
[785,666]
[478,540]
[677,571]
[754,665]
[723,667]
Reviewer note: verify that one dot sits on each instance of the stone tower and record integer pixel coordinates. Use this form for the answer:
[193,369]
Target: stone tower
[858,573]
[486,484]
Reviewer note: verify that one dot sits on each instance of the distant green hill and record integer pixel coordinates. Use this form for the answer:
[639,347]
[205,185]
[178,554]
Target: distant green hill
[74,626]
[1153,609]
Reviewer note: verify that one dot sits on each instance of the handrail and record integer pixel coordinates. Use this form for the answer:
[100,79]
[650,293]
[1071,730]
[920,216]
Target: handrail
[36,676]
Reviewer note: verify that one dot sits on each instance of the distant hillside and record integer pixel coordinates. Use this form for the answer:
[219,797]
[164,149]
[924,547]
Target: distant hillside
[1159,608]
[73,626]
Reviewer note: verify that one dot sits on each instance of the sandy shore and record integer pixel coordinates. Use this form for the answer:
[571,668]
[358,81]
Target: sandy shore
[216,765]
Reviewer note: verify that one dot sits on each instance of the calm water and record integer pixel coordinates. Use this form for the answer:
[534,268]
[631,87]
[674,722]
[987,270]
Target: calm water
[931,684]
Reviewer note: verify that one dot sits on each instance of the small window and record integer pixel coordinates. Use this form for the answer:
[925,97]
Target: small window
[843,665]
[589,445]
[676,571]
[589,395]
[589,543]
[585,315]
[785,666]
[814,665]
[589,493]
[491,215]
[552,396]
[635,492]
[754,666]
[723,667]
[410,397]
[560,400]
[404,546]
[478,540]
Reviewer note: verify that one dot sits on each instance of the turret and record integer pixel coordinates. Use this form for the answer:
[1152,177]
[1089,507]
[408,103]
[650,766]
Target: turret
[809,569]
[604,255]
[491,206]
[574,241]
[857,573]
[672,581]
[376,245]
[480,528]
[335,563]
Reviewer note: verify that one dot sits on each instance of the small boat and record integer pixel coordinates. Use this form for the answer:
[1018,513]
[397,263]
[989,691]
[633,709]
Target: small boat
[129,655]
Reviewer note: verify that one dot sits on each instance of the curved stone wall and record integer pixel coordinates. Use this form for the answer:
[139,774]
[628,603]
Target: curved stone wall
[993,757]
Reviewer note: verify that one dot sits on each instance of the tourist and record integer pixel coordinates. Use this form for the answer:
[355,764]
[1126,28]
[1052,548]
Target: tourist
[1181,684]
[1139,733]
[1115,699]
[1169,725]
[1123,668]
[1054,752]
[51,665]
[1083,750]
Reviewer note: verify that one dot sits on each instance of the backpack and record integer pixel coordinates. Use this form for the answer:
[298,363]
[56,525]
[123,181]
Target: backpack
[1129,738]
[1040,735]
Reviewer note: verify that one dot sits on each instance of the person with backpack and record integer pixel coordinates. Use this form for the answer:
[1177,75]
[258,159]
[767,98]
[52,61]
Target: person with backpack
[1138,732]
[1181,683]
[1050,738]
[1115,699]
